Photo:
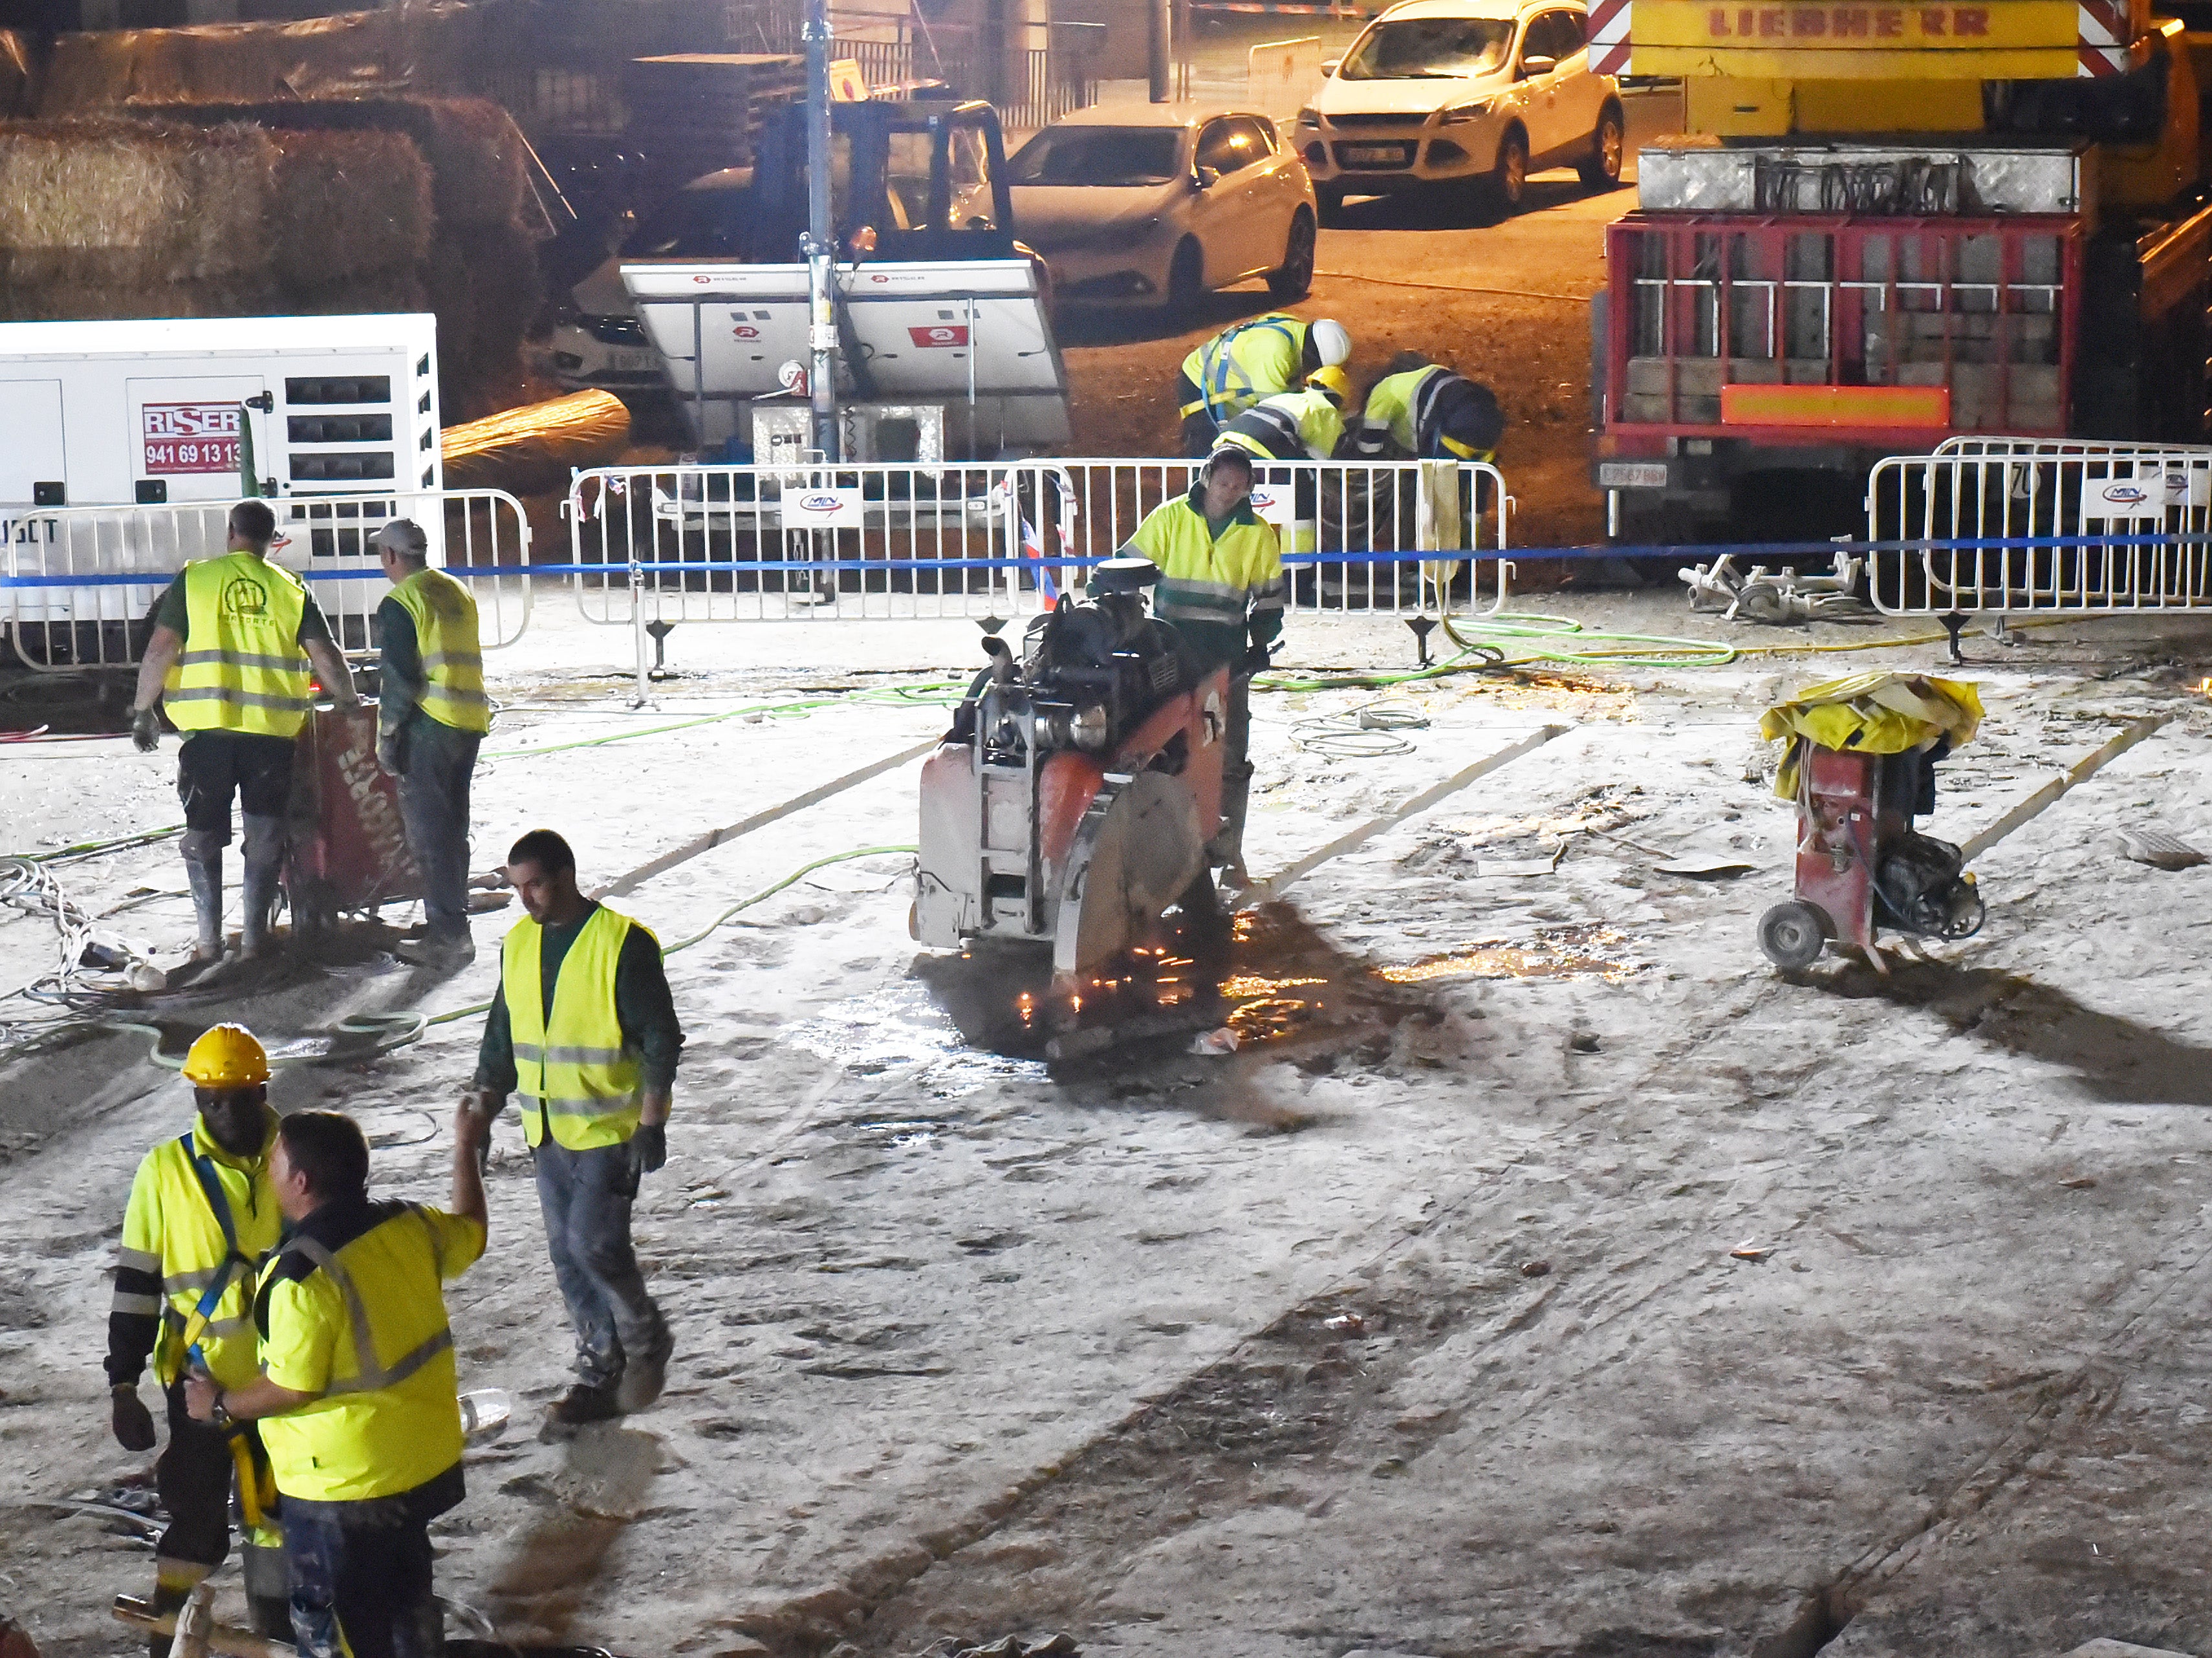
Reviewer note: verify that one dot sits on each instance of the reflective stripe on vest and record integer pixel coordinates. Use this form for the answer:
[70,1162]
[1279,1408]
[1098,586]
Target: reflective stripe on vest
[242,669]
[370,1372]
[1270,434]
[444,618]
[1219,370]
[580,1082]
[181,1219]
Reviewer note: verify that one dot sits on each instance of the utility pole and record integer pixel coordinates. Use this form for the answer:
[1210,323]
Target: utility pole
[820,243]
[1159,32]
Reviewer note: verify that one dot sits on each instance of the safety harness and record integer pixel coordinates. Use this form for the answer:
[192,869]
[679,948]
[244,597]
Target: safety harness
[256,1483]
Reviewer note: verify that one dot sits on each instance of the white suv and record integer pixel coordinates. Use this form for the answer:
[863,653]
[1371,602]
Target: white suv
[1473,93]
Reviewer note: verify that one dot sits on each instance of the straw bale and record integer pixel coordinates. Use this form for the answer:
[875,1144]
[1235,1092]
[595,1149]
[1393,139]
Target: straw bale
[367,294]
[75,302]
[113,202]
[446,281]
[347,203]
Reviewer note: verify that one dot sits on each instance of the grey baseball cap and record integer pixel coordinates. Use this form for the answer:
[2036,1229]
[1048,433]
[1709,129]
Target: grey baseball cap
[404,535]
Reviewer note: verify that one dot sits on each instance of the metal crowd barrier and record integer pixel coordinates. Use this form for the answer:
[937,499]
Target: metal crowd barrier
[2040,526]
[79,583]
[668,544]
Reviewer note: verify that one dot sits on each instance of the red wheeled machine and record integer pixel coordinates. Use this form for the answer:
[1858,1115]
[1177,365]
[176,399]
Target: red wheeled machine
[349,849]
[1862,867]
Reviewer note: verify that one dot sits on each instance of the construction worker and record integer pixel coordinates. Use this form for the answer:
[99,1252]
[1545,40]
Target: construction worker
[1303,425]
[233,641]
[356,1401]
[584,1027]
[1422,410]
[1258,358]
[1221,587]
[432,715]
[202,1213]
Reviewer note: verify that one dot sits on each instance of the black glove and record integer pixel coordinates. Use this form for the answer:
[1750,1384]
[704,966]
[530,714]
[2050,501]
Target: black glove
[648,1149]
[145,737]
[132,1422]
[1256,660]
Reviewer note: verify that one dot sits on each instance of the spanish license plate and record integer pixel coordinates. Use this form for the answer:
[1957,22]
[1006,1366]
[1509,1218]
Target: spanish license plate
[1631,475]
[633,360]
[1374,154]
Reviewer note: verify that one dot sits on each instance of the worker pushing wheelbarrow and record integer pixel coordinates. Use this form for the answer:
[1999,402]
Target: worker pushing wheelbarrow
[1861,765]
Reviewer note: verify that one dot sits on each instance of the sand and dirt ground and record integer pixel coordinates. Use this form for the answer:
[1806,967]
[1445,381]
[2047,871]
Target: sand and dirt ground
[1416,1325]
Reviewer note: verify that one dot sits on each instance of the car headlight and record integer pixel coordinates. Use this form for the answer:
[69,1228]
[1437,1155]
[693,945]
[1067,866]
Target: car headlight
[1309,116]
[1460,113]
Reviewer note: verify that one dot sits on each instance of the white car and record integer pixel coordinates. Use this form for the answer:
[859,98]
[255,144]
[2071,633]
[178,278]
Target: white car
[1474,94]
[1154,204]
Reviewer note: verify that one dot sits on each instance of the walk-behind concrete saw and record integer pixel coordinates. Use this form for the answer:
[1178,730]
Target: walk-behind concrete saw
[1072,803]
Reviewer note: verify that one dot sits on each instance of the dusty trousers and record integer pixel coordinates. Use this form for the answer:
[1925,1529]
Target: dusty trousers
[1227,846]
[434,808]
[361,1583]
[586,1197]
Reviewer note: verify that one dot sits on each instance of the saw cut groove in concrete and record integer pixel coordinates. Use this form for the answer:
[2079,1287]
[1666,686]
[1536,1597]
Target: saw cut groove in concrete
[1273,887]
[712,838]
[2080,772]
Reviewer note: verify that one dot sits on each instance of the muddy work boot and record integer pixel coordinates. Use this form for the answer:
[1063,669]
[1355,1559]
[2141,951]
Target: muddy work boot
[576,1410]
[642,1379]
[265,862]
[203,850]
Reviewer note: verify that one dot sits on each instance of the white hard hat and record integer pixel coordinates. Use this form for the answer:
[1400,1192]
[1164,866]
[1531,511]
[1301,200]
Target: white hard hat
[1330,342]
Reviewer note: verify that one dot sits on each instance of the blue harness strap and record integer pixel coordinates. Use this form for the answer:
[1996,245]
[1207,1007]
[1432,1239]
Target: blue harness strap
[1217,369]
[235,1262]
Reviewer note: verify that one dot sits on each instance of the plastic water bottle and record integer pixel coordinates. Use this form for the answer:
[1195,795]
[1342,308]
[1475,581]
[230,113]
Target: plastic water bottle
[485,1411]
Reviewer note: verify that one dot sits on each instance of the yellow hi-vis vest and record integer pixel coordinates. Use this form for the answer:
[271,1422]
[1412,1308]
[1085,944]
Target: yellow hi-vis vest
[444,618]
[1289,426]
[363,1326]
[171,1232]
[578,1079]
[242,669]
[1257,358]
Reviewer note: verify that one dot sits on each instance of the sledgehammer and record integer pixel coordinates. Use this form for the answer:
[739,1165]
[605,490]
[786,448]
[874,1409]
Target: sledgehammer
[196,1632]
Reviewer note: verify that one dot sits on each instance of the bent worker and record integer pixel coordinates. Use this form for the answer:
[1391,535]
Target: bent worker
[235,639]
[432,715]
[358,1404]
[202,1213]
[1422,410]
[1303,425]
[1261,358]
[584,1027]
[1221,587]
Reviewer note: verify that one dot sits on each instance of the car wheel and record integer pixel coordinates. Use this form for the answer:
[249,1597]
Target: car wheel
[1186,276]
[1601,169]
[1293,278]
[1331,202]
[1509,181]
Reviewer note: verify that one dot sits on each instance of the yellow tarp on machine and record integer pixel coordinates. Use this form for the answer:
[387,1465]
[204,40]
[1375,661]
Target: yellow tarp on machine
[1872,714]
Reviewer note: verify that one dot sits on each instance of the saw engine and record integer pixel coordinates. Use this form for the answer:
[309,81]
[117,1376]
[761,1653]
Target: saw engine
[1072,802]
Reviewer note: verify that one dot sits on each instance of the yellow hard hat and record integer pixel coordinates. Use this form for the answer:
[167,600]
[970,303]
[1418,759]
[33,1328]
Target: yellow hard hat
[227,1056]
[1332,379]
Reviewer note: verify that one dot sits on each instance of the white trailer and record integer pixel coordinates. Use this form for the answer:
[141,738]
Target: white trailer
[119,441]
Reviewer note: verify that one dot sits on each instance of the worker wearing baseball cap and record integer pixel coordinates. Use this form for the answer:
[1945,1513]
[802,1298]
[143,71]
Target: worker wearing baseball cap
[202,1213]
[432,715]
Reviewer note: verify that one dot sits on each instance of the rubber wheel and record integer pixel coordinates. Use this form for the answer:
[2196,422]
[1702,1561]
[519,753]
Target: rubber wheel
[1509,181]
[1601,169]
[1331,203]
[1293,279]
[1793,935]
[1186,276]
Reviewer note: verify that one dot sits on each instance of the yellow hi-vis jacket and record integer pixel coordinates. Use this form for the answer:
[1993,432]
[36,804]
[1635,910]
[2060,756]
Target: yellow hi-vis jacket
[444,617]
[171,1232]
[351,1310]
[242,669]
[1219,593]
[1257,358]
[578,1079]
[1289,426]
[1403,412]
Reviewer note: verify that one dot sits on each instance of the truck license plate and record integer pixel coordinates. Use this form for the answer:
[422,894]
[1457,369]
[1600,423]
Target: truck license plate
[1631,475]
[1374,154]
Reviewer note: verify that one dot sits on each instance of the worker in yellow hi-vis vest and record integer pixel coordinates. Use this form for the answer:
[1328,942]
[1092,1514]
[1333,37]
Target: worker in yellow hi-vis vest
[235,640]
[584,1029]
[432,715]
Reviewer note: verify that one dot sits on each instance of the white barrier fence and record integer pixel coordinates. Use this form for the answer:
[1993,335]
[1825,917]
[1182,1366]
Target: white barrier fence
[2041,526]
[671,544]
[1281,76]
[82,581]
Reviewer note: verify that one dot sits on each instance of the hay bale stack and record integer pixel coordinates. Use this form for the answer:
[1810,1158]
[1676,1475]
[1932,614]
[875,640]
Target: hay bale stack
[122,204]
[347,205]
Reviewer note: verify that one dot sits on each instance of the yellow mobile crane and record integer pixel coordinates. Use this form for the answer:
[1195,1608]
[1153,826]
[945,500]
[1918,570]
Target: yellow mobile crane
[1887,224]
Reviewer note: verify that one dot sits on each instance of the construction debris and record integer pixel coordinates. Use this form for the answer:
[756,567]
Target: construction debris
[1784,598]
[2158,849]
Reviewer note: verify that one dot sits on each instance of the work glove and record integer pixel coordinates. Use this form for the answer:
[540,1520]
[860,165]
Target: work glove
[391,753]
[132,1422]
[648,1149]
[145,733]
